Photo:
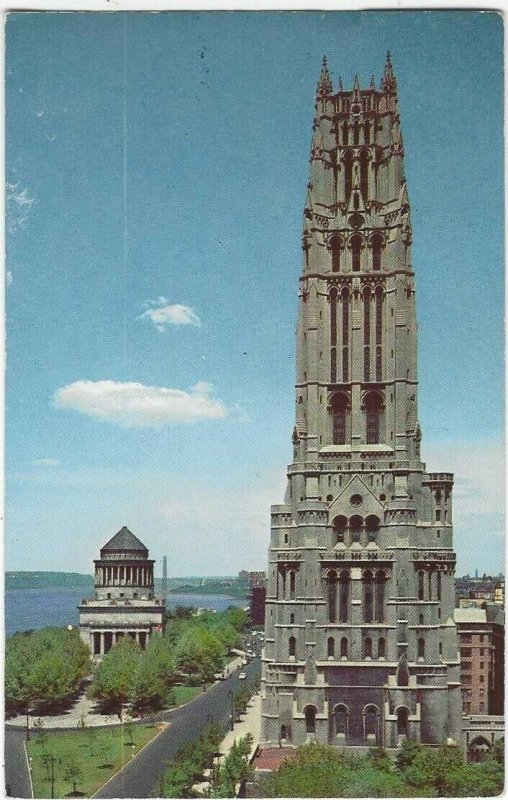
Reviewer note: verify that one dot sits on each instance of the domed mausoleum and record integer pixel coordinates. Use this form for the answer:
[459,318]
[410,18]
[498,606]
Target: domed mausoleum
[124,602]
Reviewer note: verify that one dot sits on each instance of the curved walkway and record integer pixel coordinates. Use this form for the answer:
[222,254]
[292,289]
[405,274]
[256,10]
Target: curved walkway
[83,713]
[140,777]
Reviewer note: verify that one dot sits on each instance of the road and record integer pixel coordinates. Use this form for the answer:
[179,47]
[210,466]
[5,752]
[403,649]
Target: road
[17,778]
[140,778]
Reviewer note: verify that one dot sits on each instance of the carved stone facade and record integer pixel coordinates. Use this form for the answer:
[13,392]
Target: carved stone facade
[361,645]
[124,602]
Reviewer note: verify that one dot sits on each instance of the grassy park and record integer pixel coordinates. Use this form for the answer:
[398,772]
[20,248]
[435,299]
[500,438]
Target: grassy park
[81,761]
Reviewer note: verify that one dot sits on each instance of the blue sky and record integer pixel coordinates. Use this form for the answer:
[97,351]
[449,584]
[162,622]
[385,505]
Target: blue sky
[156,168]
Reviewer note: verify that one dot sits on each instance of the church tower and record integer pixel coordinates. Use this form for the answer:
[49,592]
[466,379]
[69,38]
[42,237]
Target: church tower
[361,647]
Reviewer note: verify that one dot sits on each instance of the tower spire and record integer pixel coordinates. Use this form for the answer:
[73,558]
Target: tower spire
[388,81]
[324,87]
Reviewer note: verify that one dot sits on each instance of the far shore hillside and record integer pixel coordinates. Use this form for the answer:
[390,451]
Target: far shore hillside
[227,585]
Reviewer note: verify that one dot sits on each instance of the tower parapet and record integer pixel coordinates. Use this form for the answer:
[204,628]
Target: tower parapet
[361,647]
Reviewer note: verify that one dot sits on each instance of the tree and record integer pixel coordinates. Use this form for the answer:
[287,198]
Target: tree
[114,678]
[73,773]
[41,734]
[198,654]
[154,675]
[43,667]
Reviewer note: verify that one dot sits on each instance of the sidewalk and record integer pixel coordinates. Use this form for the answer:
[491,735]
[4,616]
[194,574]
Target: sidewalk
[83,711]
[250,723]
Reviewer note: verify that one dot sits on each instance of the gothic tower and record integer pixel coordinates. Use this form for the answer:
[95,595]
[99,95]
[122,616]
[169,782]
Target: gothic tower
[361,647]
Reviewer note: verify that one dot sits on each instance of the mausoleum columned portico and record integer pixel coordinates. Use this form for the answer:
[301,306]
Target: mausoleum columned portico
[124,602]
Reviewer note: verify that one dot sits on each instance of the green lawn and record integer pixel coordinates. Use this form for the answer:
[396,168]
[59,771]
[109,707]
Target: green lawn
[185,693]
[90,757]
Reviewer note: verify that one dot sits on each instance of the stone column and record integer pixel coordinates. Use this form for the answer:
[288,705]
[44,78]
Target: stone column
[101,648]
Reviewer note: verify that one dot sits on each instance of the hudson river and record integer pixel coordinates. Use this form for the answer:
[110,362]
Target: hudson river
[27,609]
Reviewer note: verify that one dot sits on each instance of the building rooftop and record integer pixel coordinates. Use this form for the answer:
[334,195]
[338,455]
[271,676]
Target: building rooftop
[469,614]
[125,540]
[271,758]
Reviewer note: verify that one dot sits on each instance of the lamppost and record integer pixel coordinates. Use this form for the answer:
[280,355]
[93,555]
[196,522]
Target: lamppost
[27,726]
[231,695]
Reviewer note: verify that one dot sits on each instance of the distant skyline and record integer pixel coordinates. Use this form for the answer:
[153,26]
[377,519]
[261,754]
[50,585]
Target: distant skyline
[156,168]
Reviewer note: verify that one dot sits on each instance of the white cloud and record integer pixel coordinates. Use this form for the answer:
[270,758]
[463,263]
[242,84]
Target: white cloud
[135,405]
[162,314]
[19,204]
[236,520]
[8,278]
[45,462]
[479,469]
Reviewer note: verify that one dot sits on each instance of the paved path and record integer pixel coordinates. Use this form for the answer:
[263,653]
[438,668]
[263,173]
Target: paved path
[84,710]
[17,776]
[140,778]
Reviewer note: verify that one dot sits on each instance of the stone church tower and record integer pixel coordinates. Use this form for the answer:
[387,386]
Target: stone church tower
[361,647]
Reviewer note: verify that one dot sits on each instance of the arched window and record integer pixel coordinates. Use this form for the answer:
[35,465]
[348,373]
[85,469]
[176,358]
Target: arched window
[339,529]
[292,646]
[345,334]
[355,528]
[356,249]
[421,648]
[421,585]
[364,175]
[333,318]
[340,714]
[292,584]
[402,673]
[330,647]
[339,417]
[343,647]
[348,173]
[380,584]
[333,335]
[420,619]
[367,132]
[332,596]
[344,592]
[345,133]
[402,721]
[333,365]
[283,732]
[439,586]
[379,333]
[370,721]
[356,133]
[367,647]
[366,334]
[368,599]
[377,242]
[373,409]
[381,647]
[372,527]
[310,719]
[335,247]
[402,584]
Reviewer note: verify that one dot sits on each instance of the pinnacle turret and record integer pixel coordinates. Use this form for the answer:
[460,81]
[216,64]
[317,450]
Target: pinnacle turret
[325,86]
[388,81]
